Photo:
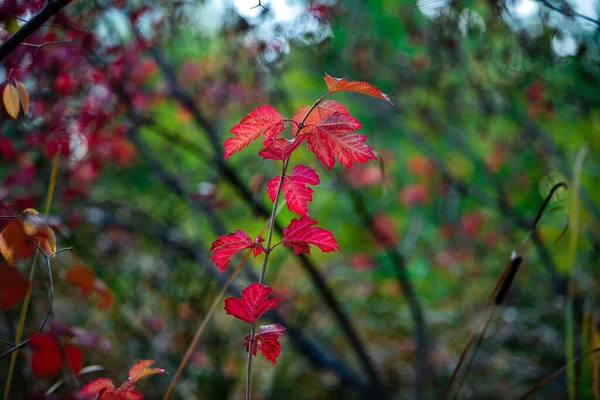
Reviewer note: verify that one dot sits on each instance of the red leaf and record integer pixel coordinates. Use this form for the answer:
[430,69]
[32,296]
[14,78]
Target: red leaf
[47,357]
[267,341]
[264,120]
[340,84]
[107,298]
[227,245]
[13,286]
[142,369]
[97,387]
[281,148]
[321,111]
[332,138]
[300,236]
[296,193]
[253,303]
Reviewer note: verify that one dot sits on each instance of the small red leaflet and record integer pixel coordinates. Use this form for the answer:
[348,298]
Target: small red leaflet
[340,84]
[296,193]
[227,245]
[253,303]
[264,120]
[332,138]
[267,341]
[281,148]
[321,111]
[300,236]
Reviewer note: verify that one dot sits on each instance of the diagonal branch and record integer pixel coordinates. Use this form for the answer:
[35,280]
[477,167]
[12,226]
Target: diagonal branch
[50,9]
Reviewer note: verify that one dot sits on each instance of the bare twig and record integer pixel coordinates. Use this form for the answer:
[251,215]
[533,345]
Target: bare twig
[259,5]
[40,46]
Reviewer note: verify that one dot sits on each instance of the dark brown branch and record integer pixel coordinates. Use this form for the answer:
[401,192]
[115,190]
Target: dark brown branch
[50,9]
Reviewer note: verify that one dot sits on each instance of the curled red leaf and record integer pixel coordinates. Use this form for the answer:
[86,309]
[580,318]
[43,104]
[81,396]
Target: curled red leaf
[253,303]
[267,341]
[299,235]
[227,245]
[340,84]
[47,357]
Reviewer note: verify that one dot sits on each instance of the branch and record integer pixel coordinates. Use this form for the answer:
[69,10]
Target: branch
[40,46]
[567,11]
[17,38]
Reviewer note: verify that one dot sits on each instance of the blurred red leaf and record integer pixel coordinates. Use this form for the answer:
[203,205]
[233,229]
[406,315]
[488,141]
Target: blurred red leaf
[81,276]
[300,236]
[47,357]
[253,303]
[333,138]
[13,286]
[296,193]
[264,120]
[414,194]
[420,166]
[267,341]
[340,84]
[227,245]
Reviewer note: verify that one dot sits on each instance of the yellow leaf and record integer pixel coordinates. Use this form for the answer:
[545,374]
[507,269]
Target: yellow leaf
[23,96]
[10,97]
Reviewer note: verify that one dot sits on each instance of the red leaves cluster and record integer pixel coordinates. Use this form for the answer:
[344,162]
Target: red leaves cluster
[253,304]
[104,389]
[328,129]
[47,358]
[13,286]
[227,245]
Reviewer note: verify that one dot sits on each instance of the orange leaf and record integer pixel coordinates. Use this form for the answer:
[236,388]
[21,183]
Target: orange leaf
[10,97]
[107,298]
[13,286]
[82,277]
[340,84]
[15,243]
[23,96]
[142,370]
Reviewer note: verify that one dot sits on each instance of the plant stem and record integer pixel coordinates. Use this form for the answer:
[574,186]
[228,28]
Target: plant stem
[268,247]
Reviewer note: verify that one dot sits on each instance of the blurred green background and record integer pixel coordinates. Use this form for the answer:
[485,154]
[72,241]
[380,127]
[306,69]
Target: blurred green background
[493,100]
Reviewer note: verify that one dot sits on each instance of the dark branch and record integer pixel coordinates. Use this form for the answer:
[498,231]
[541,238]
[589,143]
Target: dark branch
[50,9]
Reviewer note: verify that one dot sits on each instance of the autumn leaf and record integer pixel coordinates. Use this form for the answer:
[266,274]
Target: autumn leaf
[253,303]
[296,193]
[13,286]
[47,357]
[227,245]
[10,98]
[142,369]
[104,389]
[15,243]
[97,387]
[320,112]
[84,277]
[23,96]
[333,138]
[341,84]
[299,235]
[262,121]
[267,341]
[81,276]
[281,148]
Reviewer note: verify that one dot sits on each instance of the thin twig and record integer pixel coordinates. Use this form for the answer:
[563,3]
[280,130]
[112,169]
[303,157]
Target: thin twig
[40,46]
